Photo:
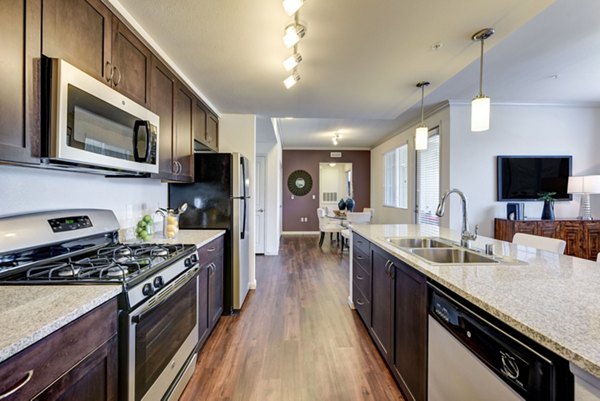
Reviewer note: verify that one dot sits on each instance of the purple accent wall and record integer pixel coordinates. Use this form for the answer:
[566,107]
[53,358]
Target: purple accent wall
[306,206]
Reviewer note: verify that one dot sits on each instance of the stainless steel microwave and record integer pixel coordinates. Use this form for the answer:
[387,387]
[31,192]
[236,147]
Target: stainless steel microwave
[89,126]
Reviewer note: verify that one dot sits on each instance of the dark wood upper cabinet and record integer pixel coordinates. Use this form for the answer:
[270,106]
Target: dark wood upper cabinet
[19,112]
[410,331]
[131,63]
[162,103]
[183,150]
[79,32]
[212,132]
[206,128]
[199,122]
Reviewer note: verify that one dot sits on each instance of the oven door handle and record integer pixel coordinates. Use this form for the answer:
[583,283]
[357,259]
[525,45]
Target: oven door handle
[162,296]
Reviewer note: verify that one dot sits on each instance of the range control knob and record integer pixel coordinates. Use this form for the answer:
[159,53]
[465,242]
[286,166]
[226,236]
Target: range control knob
[187,262]
[147,289]
[194,258]
[158,282]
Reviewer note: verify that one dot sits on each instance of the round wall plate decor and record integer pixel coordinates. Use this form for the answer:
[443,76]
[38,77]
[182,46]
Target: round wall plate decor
[300,182]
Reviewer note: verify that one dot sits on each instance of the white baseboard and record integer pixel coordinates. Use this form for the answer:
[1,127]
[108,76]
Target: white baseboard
[300,233]
[271,253]
[252,285]
[350,303]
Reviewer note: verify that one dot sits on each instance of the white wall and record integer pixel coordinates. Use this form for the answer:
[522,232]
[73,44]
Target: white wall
[385,214]
[518,130]
[237,133]
[272,153]
[25,190]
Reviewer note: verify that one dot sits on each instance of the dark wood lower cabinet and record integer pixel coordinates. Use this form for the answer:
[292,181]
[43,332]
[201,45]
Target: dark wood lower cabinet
[210,304]
[382,302]
[77,362]
[395,312]
[410,331]
[582,236]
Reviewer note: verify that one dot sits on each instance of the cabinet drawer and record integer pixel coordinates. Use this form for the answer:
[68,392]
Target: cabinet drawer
[362,259]
[210,251]
[362,305]
[360,243]
[363,282]
[48,359]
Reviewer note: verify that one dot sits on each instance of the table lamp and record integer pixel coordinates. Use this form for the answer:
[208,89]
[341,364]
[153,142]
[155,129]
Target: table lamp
[584,185]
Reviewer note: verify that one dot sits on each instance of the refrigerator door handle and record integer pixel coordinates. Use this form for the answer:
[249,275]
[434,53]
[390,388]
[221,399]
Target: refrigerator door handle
[243,233]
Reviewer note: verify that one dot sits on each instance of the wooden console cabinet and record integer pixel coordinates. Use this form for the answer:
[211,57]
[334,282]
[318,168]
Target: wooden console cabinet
[582,236]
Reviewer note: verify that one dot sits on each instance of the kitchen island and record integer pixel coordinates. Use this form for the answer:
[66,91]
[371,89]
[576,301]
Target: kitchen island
[550,298]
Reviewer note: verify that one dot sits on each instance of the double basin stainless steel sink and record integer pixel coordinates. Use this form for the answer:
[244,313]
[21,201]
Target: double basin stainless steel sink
[441,251]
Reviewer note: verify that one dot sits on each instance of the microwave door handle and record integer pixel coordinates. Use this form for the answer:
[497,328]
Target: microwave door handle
[136,134]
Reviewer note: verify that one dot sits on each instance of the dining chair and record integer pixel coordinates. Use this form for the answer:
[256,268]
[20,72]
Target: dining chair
[370,210]
[325,226]
[351,219]
[536,241]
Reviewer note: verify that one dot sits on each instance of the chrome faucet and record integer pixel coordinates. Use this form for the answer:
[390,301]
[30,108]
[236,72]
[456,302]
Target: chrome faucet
[465,234]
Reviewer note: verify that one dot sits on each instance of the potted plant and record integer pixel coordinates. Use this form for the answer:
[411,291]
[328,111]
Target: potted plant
[548,210]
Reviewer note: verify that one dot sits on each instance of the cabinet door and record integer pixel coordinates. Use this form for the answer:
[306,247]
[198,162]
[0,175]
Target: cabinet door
[131,62]
[410,331]
[572,233]
[212,132]
[203,294]
[19,122]
[93,379]
[382,301]
[592,240]
[163,90]
[548,229]
[199,122]
[79,31]
[183,143]
[526,227]
[215,301]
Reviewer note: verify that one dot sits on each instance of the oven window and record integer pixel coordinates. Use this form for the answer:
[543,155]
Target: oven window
[98,127]
[160,333]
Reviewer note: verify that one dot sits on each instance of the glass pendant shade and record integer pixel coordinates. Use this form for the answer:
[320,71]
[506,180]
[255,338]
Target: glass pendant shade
[480,114]
[421,138]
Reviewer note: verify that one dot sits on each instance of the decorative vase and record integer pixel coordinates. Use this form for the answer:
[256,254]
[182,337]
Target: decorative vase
[548,210]
[342,204]
[350,204]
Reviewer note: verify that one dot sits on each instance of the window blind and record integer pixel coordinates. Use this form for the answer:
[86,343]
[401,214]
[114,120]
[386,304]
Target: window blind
[396,177]
[428,180]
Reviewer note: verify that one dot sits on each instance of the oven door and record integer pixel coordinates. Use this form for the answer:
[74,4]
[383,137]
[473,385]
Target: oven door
[163,334]
[92,125]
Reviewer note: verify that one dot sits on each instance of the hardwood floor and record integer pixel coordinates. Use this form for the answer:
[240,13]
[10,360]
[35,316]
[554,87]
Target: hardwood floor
[296,338]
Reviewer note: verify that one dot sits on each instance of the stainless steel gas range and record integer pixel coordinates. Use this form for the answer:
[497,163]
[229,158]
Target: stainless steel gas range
[158,322]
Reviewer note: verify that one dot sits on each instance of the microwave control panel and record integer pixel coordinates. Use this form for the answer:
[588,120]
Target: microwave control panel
[70,223]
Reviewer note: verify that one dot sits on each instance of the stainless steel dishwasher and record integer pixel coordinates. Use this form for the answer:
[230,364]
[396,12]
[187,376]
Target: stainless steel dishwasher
[474,357]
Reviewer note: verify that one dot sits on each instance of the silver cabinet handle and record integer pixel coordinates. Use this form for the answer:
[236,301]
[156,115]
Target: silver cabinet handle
[108,71]
[117,81]
[211,249]
[359,277]
[19,386]
[179,167]
[359,302]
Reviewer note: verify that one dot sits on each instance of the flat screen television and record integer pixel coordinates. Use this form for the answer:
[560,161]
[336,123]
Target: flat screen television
[523,178]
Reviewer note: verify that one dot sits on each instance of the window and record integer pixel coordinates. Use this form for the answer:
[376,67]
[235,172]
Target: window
[428,180]
[395,164]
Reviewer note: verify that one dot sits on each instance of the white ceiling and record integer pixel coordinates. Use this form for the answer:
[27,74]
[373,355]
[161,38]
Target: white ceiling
[361,62]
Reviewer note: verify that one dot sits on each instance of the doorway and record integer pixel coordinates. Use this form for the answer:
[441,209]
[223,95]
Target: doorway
[335,183]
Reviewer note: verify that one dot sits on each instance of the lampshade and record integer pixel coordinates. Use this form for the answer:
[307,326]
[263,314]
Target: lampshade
[587,184]
[575,185]
[480,114]
[421,138]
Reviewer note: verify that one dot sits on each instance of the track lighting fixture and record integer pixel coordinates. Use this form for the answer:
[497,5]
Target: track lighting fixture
[291,80]
[292,6]
[292,61]
[293,33]
[480,106]
[422,133]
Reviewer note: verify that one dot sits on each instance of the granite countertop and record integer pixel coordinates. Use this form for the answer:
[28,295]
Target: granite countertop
[196,237]
[31,312]
[552,298]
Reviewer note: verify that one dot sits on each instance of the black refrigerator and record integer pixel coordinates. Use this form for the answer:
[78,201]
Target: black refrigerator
[218,199]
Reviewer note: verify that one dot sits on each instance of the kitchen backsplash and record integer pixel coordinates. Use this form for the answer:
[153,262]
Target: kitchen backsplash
[25,190]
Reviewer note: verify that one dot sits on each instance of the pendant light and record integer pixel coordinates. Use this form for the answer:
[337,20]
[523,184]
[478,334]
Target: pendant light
[480,106]
[422,133]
